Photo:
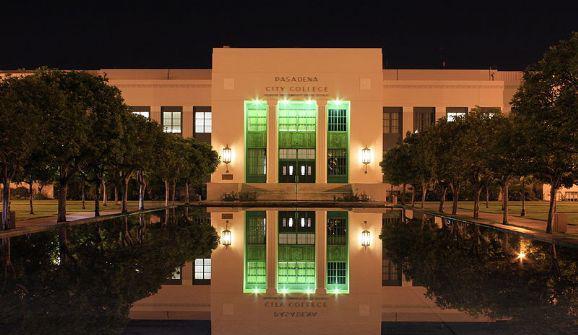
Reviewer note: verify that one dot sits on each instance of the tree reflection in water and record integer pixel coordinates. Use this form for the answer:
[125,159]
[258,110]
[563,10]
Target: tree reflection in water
[83,279]
[485,272]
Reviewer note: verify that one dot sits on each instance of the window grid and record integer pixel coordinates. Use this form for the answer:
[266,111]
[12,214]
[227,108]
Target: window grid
[337,162]
[296,251]
[337,120]
[171,119]
[256,162]
[202,271]
[141,110]
[337,252]
[255,251]
[336,273]
[424,117]
[203,122]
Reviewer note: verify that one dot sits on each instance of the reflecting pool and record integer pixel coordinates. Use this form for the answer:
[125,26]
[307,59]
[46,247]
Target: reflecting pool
[285,271]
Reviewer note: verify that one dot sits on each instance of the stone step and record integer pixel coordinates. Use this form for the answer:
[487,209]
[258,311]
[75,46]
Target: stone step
[321,192]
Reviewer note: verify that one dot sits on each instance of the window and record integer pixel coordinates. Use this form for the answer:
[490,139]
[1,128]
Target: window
[490,111]
[296,252]
[392,119]
[390,272]
[203,119]
[202,271]
[423,118]
[337,120]
[141,110]
[172,119]
[392,127]
[337,162]
[256,141]
[454,112]
[176,277]
[337,252]
[255,251]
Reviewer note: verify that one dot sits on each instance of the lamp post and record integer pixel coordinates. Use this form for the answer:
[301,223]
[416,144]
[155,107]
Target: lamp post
[226,157]
[366,157]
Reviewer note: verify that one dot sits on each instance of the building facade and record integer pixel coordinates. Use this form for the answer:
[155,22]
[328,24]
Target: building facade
[305,123]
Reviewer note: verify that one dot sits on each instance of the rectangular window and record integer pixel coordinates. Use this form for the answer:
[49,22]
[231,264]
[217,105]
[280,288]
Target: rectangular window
[256,141]
[423,118]
[202,271]
[171,119]
[454,112]
[337,119]
[255,252]
[296,252]
[491,111]
[141,110]
[390,272]
[203,119]
[337,162]
[392,127]
[337,252]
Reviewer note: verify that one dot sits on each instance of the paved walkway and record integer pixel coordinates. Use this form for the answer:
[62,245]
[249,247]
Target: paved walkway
[525,226]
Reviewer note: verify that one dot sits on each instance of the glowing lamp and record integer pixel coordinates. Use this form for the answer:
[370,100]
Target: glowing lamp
[226,237]
[226,156]
[366,157]
[365,238]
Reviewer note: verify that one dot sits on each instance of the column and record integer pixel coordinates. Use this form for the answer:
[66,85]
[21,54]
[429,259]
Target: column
[272,159]
[321,151]
[321,250]
[271,259]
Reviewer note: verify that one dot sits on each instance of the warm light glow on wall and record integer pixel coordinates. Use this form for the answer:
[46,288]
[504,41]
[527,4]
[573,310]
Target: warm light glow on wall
[226,237]
[365,238]
[366,157]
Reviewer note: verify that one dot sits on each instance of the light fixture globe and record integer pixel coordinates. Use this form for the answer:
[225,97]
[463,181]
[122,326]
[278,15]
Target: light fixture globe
[226,156]
[226,236]
[366,157]
[365,238]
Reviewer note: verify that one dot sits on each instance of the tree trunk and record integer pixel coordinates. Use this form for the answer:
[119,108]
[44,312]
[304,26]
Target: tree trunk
[505,189]
[187,192]
[423,194]
[487,196]
[141,190]
[97,197]
[523,212]
[116,202]
[552,209]
[166,193]
[104,194]
[455,198]
[443,199]
[124,206]
[82,193]
[174,191]
[477,191]
[412,196]
[31,196]
[403,194]
[62,192]
[5,201]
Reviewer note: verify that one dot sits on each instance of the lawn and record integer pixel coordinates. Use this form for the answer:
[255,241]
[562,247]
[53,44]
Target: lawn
[48,208]
[534,209]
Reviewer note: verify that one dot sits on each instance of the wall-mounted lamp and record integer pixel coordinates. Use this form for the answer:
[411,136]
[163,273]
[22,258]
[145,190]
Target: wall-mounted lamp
[226,156]
[365,236]
[366,157]
[226,237]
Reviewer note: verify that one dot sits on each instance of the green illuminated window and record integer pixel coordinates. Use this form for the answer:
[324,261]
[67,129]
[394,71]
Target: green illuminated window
[296,271]
[337,252]
[255,252]
[337,141]
[256,141]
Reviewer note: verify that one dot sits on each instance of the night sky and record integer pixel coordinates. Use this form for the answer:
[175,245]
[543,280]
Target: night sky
[92,34]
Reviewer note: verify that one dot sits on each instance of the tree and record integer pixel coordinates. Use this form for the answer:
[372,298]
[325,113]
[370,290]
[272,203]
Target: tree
[396,167]
[201,161]
[22,128]
[546,106]
[421,155]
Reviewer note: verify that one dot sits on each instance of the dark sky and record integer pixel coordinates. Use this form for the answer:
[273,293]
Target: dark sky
[90,34]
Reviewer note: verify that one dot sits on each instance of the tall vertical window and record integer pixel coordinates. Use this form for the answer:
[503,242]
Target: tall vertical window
[172,117]
[296,252]
[423,118]
[202,271]
[141,110]
[337,252]
[255,251]
[203,119]
[390,272]
[337,141]
[256,141]
[176,277]
[392,126]
[454,112]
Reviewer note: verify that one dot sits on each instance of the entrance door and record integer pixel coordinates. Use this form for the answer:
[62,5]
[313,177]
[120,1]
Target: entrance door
[288,171]
[297,166]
